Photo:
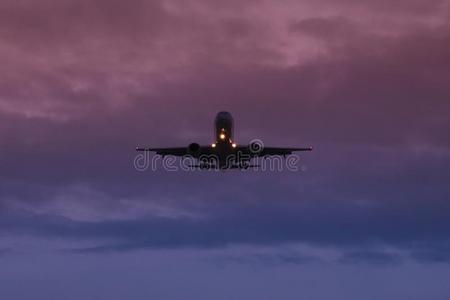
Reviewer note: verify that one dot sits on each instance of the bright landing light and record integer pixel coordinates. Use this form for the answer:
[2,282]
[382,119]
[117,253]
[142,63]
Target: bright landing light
[213,145]
[233,145]
[222,136]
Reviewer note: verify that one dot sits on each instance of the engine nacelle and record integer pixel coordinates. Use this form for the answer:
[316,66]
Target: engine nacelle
[193,149]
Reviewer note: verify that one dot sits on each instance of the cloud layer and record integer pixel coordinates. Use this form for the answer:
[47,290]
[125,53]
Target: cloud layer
[365,82]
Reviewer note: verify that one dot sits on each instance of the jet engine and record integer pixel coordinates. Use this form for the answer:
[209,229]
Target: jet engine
[193,149]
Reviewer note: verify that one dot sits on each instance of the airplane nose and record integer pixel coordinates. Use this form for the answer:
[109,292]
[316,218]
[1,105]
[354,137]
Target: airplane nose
[224,115]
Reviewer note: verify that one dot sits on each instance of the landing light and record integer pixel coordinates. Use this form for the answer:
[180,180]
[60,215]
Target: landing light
[213,145]
[222,136]
[233,145]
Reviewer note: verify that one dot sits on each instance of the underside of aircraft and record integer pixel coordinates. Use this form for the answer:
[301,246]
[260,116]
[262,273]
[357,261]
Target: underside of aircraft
[224,153]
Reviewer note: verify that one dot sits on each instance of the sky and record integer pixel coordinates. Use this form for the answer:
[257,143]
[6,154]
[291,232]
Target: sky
[365,216]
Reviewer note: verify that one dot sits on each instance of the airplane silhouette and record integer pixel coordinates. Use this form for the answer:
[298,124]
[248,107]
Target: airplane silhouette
[224,153]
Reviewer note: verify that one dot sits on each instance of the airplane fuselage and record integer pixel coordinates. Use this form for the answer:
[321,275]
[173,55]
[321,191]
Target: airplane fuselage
[223,126]
[224,148]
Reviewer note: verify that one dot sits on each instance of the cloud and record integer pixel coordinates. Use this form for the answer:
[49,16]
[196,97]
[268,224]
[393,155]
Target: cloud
[271,259]
[426,254]
[84,83]
[5,251]
[371,257]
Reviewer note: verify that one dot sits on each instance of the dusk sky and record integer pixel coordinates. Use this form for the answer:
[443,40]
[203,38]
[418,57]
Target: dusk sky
[366,83]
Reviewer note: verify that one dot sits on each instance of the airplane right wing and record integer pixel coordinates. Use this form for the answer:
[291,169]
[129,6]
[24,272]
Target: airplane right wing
[266,151]
[260,151]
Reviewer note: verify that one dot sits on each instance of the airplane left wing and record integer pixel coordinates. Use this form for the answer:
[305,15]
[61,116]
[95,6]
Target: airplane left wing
[176,151]
[179,151]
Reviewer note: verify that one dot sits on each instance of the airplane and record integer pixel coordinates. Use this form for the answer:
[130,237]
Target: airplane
[224,153]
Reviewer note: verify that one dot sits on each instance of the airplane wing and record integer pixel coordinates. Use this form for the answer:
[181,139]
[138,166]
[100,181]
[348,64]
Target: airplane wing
[268,151]
[281,151]
[178,151]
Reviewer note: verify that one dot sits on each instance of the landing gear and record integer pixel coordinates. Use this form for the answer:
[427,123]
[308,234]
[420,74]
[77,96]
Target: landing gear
[244,165]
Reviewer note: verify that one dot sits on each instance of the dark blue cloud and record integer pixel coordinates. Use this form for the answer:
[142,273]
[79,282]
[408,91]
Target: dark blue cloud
[375,106]
[371,257]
